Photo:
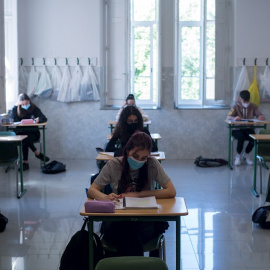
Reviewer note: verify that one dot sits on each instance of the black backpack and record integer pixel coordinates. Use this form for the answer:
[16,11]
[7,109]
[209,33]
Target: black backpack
[260,216]
[54,167]
[210,162]
[76,254]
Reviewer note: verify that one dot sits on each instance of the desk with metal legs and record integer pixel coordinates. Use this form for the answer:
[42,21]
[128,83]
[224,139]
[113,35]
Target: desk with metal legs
[18,140]
[41,126]
[258,139]
[242,125]
[170,210]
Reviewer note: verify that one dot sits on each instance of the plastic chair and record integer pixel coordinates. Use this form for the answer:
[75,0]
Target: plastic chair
[9,154]
[263,155]
[131,263]
[155,244]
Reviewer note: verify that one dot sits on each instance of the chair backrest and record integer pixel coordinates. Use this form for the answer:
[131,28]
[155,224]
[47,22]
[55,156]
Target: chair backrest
[264,149]
[131,263]
[8,151]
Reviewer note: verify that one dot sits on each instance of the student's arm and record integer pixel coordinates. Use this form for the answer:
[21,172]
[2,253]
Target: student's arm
[258,114]
[154,145]
[111,145]
[94,192]
[39,116]
[232,115]
[167,191]
[14,114]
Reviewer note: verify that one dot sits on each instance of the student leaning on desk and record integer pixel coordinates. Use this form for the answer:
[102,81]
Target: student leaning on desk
[130,101]
[130,121]
[132,175]
[25,109]
[244,110]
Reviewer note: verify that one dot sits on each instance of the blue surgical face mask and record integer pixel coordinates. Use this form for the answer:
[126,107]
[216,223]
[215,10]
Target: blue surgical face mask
[26,107]
[135,164]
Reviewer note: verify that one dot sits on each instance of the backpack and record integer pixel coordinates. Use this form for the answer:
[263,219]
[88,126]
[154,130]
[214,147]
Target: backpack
[76,254]
[210,162]
[3,222]
[53,167]
[261,215]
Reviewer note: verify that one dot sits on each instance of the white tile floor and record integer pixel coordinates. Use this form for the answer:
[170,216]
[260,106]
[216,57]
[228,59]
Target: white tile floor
[217,234]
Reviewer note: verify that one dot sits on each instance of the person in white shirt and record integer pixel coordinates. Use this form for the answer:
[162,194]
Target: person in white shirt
[130,101]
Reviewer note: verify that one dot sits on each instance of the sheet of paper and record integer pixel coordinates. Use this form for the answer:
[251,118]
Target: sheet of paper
[145,202]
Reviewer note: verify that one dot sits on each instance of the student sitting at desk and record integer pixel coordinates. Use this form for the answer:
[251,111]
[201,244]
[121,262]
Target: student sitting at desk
[130,121]
[133,175]
[130,101]
[25,109]
[244,110]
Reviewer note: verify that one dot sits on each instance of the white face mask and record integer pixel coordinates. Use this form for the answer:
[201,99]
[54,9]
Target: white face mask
[245,104]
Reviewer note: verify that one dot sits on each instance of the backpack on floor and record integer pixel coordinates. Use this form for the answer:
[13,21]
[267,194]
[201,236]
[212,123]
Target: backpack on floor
[210,162]
[262,217]
[76,254]
[3,222]
[54,167]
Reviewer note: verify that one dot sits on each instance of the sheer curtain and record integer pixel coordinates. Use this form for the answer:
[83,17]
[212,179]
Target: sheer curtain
[2,57]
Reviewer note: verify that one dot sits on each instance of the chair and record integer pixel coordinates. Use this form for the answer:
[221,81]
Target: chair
[9,154]
[263,155]
[131,263]
[155,244]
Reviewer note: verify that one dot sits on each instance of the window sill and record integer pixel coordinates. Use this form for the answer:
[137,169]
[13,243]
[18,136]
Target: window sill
[202,107]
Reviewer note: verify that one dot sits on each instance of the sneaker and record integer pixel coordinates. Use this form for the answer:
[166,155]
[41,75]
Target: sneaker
[41,157]
[249,161]
[237,160]
[25,167]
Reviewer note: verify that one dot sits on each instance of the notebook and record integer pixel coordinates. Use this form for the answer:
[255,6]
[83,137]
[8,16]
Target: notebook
[137,203]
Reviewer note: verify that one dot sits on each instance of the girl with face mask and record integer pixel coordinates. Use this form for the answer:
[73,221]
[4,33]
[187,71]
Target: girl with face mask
[130,121]
[25,109]
[132,175]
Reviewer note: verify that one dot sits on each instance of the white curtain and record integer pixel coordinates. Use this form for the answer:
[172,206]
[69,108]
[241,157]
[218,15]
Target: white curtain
[2,56]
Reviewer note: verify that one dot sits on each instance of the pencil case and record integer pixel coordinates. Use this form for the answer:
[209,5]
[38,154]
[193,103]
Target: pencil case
[7,121]
[99,206]
[27,121]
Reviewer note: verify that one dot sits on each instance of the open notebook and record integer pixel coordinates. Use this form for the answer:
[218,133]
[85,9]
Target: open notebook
[137,203]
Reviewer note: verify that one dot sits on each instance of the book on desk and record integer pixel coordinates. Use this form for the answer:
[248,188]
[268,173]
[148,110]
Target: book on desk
[137,203]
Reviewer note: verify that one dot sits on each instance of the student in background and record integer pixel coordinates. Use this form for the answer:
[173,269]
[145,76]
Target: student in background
[25,109]
[244,110]
[130,120]
[132,175]
[130,101]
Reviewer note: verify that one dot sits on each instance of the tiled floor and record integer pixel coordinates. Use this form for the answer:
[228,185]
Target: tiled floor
[217,233]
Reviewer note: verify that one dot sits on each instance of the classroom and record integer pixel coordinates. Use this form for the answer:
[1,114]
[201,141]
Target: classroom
[218,232]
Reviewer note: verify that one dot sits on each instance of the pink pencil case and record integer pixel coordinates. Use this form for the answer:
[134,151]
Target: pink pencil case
[27,121]
[99,206]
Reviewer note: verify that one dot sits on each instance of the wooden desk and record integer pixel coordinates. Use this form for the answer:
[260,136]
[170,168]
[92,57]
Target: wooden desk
[112,124]
[241,125]
[170,210]
[109,155]
[154,136]
[258,139]
[18,140]
[41,126]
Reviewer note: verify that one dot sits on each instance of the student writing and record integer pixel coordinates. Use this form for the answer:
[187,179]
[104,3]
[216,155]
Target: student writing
[26,109]
[244,110]
[130,121]
[132,175]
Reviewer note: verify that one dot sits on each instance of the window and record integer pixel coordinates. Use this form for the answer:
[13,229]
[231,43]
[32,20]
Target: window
[132,52]
[195,50]
[11,52]
[144,48]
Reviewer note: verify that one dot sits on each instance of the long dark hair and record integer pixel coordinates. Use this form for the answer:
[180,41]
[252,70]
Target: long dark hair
[142,141]
[121,129]
[22,113]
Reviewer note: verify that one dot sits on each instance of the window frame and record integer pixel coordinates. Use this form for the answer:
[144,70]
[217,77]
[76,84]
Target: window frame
[203,102]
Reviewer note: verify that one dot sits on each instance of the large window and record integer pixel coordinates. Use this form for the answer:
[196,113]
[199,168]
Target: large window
[144,48]
[195,53]
[132,52]
[11,52]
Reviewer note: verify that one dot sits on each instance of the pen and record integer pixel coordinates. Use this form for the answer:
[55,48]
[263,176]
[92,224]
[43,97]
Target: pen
[124,202]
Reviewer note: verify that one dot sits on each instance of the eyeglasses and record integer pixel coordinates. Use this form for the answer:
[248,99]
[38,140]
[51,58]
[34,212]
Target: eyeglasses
[132,121]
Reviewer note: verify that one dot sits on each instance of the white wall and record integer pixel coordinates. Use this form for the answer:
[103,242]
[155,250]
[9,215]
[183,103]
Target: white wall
[74,28]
